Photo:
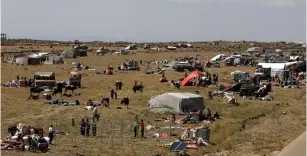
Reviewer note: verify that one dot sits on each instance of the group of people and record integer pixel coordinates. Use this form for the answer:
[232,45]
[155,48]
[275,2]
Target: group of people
[138,124]
[85,127]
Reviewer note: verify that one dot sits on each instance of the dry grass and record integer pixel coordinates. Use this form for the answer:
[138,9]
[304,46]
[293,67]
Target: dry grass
[261,136]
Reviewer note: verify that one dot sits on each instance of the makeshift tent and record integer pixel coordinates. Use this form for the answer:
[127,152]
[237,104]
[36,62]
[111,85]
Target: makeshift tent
[189,77]
[27,60]
[276,68]
[54,59]
[68,54]
[175,103]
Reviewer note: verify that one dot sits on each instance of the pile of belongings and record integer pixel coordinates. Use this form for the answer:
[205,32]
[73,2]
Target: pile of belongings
[12,83]
[24,137]
[230,98]
[196,136]
[187,120]
[78,67]
[62,103]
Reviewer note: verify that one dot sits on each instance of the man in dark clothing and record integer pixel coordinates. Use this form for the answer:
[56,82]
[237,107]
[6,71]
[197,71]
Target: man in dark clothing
[72,122]
[94,128]
[112,94]
[50,134]
[82,127]
[126,101]
[120,84]
[88,128]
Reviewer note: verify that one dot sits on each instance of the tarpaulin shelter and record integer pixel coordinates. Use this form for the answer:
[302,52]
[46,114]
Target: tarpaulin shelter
[189,77]
[175,103]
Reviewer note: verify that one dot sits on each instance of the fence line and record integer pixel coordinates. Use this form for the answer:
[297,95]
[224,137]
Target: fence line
[111,135]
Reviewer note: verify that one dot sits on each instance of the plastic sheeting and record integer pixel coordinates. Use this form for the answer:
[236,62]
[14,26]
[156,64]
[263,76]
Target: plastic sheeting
[189,77]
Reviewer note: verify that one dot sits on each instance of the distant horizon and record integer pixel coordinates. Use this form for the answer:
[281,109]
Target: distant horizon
[97,40]
[155,20]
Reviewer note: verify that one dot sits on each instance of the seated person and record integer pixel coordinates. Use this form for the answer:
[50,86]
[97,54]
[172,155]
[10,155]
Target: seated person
[216,116]
[90,103]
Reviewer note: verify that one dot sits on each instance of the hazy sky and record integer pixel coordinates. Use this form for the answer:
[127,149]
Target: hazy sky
[155,20]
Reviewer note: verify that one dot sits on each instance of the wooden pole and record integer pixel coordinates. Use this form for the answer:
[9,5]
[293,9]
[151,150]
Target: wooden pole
[121,132]
[112,133]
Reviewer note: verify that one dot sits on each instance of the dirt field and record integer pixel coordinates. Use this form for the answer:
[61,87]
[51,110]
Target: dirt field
[260,136]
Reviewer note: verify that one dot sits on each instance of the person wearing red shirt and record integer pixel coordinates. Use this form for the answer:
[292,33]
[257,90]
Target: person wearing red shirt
[142,128]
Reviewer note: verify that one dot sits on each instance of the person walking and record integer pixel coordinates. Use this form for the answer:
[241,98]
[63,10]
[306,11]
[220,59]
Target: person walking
[51,134]
[135,126]
[142,128]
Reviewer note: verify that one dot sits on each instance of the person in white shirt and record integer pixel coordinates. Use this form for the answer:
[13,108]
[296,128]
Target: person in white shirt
[51,135]
[95,114]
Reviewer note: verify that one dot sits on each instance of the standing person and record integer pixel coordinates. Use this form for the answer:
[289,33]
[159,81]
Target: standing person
[115,95]
[142,128]
[17,77]
[51,134]
[95,114]
[94,128]
[73,122]
[135,126]
[88,128]
[82,127]
[116,85]
[112,94]
[120,84]
[126,101]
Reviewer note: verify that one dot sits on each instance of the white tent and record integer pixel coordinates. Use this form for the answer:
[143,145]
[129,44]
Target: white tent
[276,68]
[175,103]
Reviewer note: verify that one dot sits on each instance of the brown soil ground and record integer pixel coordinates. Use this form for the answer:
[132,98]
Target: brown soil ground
[260,136]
